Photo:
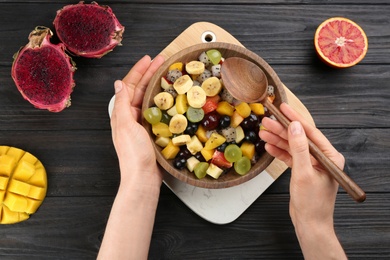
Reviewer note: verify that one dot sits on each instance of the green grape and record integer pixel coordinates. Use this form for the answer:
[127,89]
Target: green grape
[232,153]
[214,56]
[200,169]
[153,115]
[195,115]
[243,165]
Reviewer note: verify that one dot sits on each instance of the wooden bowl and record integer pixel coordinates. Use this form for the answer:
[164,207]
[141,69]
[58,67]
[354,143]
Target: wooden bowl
[192,53]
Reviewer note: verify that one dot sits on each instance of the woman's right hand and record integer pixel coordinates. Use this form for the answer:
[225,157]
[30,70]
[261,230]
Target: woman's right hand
[312,190]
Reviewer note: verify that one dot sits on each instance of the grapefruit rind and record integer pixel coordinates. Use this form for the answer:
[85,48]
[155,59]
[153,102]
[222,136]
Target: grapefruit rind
[23,184]
[329,35]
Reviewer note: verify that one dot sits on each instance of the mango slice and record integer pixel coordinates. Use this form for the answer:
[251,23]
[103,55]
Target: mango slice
[23,184]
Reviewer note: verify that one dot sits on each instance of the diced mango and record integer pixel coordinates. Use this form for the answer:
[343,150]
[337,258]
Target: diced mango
[11,217]
[19,187]
[37,193]
[248,149]
[181,103]
[207,154]
[7,164]
[15,153]
[32,206]
[243,109]
[39,178]
[161,129]
[3,182]
[24,171]
[236,119]
[201,133]
[2,195]
[28,157]
[214,141]
[15,202]
[225,108]
[257,108]
[23,184]
[170,151]
[27,190]
[3,149]
[176,66]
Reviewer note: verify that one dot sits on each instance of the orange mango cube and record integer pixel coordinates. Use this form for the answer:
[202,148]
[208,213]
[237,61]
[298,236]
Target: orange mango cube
[236,119]
[225,108]
[243,109]
[23,184]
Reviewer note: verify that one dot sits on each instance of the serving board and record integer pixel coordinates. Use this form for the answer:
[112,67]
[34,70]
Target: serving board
[221,206]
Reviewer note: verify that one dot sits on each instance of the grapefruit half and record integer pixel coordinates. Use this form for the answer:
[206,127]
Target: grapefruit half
[340,42]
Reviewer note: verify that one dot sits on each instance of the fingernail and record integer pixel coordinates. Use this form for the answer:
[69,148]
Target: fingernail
[296,128]
[118,86]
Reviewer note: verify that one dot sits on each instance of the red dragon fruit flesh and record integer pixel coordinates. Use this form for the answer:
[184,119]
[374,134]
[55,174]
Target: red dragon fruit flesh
[88,30]
[43,73]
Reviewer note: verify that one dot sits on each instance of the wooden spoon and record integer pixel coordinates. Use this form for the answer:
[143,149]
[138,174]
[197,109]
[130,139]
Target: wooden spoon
[239,74]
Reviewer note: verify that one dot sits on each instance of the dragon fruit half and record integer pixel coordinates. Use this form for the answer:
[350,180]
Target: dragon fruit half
[88,30]
[43,73]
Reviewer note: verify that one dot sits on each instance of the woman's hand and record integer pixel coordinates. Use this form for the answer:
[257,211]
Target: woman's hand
[130,225]
[312,190]
[131,141]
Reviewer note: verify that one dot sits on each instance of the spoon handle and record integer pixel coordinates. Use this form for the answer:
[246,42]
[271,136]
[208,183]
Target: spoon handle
[339,175]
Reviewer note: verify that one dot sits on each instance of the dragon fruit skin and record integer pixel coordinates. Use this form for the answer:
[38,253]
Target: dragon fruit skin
[88,30]
[43,73]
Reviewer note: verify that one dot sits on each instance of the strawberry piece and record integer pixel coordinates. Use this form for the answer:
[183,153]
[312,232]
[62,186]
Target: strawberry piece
[211,104]
[219,160]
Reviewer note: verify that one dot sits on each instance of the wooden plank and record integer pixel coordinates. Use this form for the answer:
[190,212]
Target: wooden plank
[76,145]
[84,163]
[266,231]
[230,2]
[72,228]
[282,34]
[357,97]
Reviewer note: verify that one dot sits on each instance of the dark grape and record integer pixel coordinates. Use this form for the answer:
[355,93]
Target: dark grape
[200,157]
[222,147]
[211,120]
[191,128]
[179,163]
[165,118]
[251,136]
[224,121]
[250,122]
[184,153]
[259,147]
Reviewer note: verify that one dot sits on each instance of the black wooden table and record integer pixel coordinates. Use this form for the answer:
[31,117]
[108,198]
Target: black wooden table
[350,106]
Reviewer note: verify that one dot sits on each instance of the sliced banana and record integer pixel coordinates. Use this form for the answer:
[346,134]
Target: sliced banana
[164,100]
[178,124]
[181,140]
[183,84]
[212,86]
[196,97]
[195,67]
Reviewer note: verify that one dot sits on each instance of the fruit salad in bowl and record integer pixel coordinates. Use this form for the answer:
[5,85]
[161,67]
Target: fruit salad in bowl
[202,135]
